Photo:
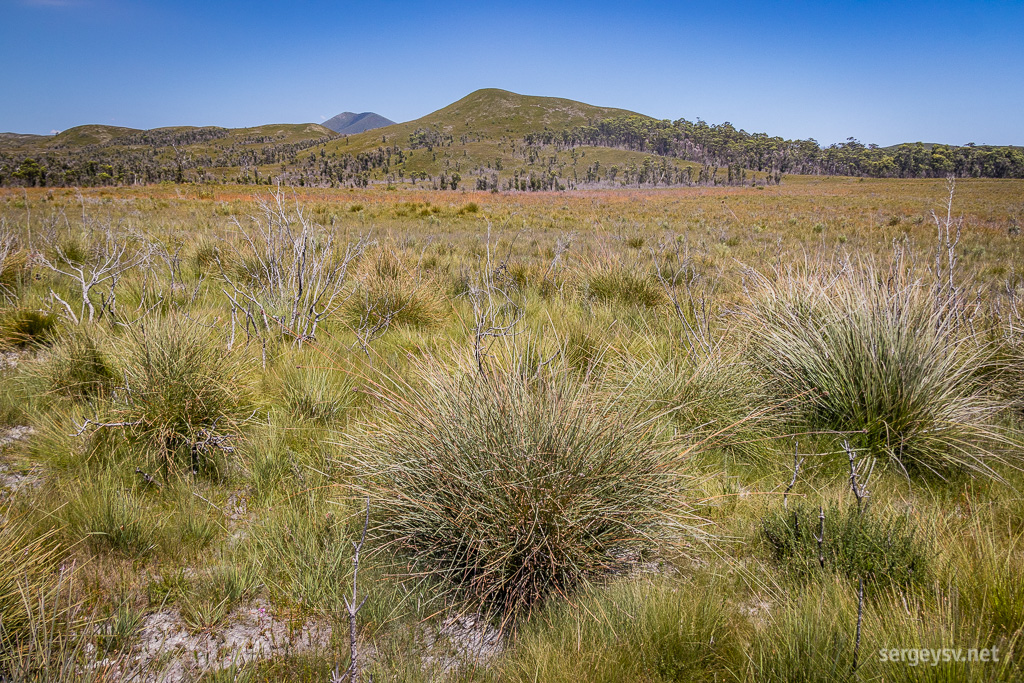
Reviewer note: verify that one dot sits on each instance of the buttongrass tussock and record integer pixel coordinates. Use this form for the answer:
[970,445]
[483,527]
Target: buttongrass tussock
[182,392]
[878,358]
[513,486]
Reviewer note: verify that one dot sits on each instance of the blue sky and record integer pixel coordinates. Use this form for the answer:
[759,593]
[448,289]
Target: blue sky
[882,72]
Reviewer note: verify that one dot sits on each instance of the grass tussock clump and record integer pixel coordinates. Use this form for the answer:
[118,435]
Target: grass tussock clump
[317,394]
[306,555]
[13,268]
[624,286]
[77,367]
[391,294]
[181,386]
[659,633]
[25,573]
[109,516]
[712,398]
[393,301]
[808,639]
[880,548]
[512,487]
[22,327]
[44,634]
[876,358]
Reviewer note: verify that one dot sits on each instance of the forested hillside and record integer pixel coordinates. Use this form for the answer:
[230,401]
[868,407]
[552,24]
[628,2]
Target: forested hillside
[489,140]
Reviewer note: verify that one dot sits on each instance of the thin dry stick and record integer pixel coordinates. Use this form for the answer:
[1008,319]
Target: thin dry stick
[820,537]
[352,607]
[85,425]
[860,619]
[797,461]
[858,489]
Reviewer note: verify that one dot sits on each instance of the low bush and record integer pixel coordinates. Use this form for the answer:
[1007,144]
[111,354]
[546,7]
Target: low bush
[877,547]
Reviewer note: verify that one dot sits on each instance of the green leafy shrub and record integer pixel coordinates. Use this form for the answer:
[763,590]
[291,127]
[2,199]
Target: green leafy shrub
[877,547]
[515,486]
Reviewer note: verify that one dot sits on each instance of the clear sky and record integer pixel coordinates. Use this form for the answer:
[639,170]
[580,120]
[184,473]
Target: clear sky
[882,72]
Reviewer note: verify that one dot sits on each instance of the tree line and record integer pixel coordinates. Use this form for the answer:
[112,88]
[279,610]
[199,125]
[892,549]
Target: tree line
[722,153]
[725,145]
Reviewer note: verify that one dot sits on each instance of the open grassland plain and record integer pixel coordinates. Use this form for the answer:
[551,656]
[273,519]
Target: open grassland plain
[741,434]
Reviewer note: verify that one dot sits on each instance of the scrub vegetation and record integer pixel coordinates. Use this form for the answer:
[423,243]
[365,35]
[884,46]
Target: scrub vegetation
[681,434]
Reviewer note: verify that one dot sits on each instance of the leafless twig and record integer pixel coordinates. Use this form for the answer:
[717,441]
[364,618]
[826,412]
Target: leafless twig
[797,462]
[858,488]
[111,257]
[293,275]
[85,425]
[352,607]
[495,313]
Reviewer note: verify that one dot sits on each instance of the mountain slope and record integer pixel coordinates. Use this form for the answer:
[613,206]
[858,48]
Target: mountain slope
[348,123]
[99,154]
[489,140]
[480,141]
[485,114]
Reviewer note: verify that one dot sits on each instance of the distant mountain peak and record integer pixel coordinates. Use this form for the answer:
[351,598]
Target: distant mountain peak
[349,123]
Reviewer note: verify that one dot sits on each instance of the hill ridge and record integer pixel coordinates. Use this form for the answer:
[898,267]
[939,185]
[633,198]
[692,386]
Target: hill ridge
[350,123]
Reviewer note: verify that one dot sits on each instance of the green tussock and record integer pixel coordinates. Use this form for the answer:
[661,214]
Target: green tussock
[878,360]
[513,488]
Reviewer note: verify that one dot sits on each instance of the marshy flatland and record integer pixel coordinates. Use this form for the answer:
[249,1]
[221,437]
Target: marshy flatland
[767,433]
